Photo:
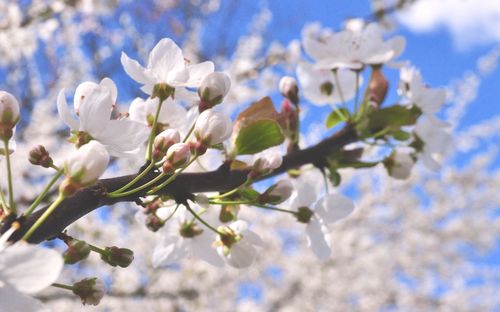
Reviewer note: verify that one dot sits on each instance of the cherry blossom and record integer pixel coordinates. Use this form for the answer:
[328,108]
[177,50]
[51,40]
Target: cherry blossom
[353,48]
[172,115]
[436,142]
[88,163]
[166,65]
[318,215]
[93,105]
[25,270]
[184,238]
[212,127]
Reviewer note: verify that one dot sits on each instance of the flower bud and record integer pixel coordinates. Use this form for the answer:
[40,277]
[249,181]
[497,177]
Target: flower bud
[377,87]
[266,163]
[153,222]
[77,250]
[288,88]
[9,114]
[212,128]
[177,156]
[115,256]
[399,165]
[90,290]
[229,213]
[164,141]
[277,193]
[40,157]
[213,89]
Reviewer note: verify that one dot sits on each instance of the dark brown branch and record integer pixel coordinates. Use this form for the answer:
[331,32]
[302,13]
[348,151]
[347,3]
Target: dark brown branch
[222,179]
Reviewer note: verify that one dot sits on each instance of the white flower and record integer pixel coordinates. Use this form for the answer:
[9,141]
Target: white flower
[26,269]
[353,48]
[399,165]
[214,88]
[177,156]
[212,127]
[88,163]
[429,100]
[436,142]
[329,209]
[186,239]
[164,141]
[267,161]
[93,105]
[237,246]
[319,86]
[166,65]
[172,115]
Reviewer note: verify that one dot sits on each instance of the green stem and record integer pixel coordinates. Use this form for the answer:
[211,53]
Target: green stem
[62,286]
[189,133]
[274,208]
[249,203]
[152,135]
[137,189]
[4,203]
[44,216]
[171,178]
[137,178]
[356,98]
[337,82]
[231,192]
[42,195]
[201,220]
[9,177]
[97,249]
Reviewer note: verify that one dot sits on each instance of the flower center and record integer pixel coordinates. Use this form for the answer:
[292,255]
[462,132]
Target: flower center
[189,230]
[326,88]
[304,214]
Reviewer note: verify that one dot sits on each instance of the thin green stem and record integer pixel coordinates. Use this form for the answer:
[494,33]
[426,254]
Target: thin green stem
[9,177]
[152,135]
[171,178]
[339,87]
[134,180]
[201,220]
[4,203]
[97,249]
[42,195]
[231,192]
[189,132]
[62,286]
[137,189]
[44,216]
[274,208]
[249,203]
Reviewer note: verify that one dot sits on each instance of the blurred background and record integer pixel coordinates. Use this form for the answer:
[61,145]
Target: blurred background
[428,243]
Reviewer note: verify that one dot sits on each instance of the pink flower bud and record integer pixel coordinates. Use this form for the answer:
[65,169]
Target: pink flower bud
[9,114]
[164,141]
[212,127]
[266,163]
[87,164]
[288,88]
[177,156]
[213,89]
[90,290]
[39,156]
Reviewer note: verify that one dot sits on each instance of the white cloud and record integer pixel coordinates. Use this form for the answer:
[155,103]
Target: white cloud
[470,22]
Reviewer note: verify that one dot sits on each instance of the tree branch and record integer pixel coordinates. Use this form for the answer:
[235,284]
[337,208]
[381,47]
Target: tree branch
[219,180]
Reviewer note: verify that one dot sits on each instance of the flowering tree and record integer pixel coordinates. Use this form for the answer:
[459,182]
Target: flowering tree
[187,183]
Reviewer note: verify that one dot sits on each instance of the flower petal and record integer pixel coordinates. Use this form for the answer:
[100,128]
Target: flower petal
[14,301]
[318,239]
[135,70]
[165,57]
[334,207]
[30,268]
[95,111]
[198,72]
[169,251]
[122,137]
[64,113]
[110,85]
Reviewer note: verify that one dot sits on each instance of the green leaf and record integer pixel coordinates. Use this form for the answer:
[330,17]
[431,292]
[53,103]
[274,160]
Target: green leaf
[334,177]
[401,135]
[334,117]
[249,193]
[393,117]
[258,136]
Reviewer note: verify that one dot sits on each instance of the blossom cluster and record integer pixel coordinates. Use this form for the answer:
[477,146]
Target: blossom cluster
[180,121]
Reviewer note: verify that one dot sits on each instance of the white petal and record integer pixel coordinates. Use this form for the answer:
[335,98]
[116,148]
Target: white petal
[252,237]
[334,207]
[135,70]
[11,300]
[111,87]
[241,255]
[201,247]
[30,268]
[64,113]
[169,251]
[198,72]
[239,226]
[165,57]
[95,111]
[318,240]
[123,137]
